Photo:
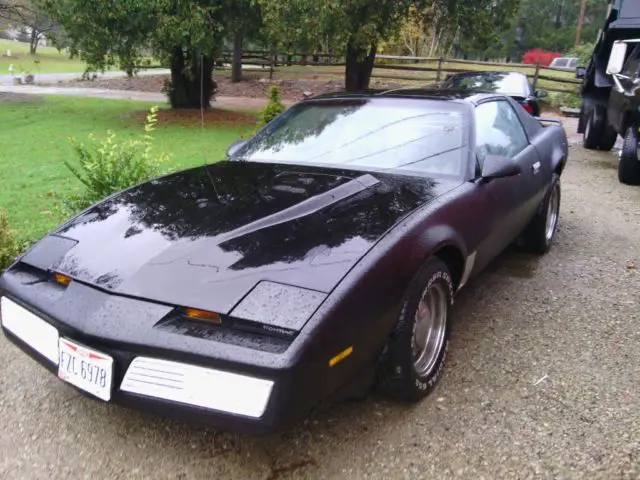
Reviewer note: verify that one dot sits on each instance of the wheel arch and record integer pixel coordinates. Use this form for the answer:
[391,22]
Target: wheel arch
[443,242]
[560,150]
[629,118]
[453,258]
[559,160]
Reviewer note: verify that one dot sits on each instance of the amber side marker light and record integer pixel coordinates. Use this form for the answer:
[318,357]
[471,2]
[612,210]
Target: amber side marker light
[62,279]
[341,356]
[202,315]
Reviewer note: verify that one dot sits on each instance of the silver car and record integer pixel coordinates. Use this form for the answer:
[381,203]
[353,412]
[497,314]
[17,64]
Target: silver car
[565,63]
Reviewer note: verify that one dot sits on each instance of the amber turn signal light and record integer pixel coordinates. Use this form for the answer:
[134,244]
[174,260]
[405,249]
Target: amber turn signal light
[62,279]
[341,356]
[202,315]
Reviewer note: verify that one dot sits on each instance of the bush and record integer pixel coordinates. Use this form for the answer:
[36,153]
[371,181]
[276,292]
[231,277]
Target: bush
[583,52]
[9,248]
[179,97]
[110,166]
[535,55]
[571,100]
[274,108]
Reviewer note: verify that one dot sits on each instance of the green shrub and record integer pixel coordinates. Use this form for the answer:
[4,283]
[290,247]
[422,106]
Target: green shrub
[109,166]
[9,248]
[557,100]
[274,108]
[583,52]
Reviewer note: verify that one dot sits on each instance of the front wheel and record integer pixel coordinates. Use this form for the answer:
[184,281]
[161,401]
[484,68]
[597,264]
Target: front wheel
[629,166]
[415,354]
[592,130]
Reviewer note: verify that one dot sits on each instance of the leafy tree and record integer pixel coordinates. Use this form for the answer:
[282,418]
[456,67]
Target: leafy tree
[356,28]
[27,14]
[184,34]
[244,21]
[359,27]
[105,34]
[189,34]
[583,52]
[480,22]
[413,35]
[293,23]
[549,25]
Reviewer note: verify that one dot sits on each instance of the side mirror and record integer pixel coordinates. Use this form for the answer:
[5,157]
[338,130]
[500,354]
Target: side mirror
[235,146]
[497,166]
[541,93]
[581,72]
[616,59]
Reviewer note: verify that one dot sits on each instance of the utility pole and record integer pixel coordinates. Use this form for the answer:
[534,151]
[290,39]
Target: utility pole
[583,6]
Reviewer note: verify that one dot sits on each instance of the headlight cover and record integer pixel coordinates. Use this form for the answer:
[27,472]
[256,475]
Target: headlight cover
[278,305]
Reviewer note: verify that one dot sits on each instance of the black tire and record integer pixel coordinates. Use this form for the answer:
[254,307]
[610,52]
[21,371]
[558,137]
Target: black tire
[398,376]
[608,139]
[593,129]
[538,237]
[629,166]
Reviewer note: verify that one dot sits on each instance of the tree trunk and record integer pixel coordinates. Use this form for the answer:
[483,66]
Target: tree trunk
[236,67]
[359,67]
[191,86]
[33,41]
[558,22]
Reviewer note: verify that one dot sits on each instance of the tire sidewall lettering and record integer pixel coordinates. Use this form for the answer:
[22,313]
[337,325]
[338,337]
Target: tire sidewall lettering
[428,382]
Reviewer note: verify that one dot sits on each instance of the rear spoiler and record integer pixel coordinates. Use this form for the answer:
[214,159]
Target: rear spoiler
[549,120]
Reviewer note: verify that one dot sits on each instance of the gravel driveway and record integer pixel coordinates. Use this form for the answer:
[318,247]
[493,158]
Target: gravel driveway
[543,382]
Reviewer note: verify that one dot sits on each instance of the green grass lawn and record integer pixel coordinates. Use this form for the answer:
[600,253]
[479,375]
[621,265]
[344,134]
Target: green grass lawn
[34,136]
[46,60]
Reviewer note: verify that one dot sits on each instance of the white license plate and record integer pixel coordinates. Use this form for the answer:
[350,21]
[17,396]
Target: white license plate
[85,368]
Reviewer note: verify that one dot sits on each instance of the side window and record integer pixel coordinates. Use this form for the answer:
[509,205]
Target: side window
[498,131]
[633,63]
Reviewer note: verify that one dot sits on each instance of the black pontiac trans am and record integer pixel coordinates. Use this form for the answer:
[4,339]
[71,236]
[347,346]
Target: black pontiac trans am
[321,258]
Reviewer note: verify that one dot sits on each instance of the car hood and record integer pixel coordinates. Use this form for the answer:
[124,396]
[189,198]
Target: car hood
[205,237]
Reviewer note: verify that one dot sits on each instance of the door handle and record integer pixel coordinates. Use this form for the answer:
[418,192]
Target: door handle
[536,168]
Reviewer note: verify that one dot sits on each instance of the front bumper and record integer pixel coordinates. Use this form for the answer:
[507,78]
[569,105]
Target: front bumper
[223,397]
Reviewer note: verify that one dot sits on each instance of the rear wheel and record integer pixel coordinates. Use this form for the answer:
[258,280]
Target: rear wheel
[415,354]
[539,235]
[608,139]
[629,166]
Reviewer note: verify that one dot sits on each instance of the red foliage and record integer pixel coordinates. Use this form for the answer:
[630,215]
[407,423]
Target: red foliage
[536,55]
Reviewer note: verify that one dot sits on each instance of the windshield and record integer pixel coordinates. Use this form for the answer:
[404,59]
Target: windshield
[505,83]
[422,136]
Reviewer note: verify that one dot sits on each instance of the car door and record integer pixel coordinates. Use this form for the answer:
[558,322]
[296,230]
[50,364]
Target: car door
[535,175]
[509,201]
[620,101]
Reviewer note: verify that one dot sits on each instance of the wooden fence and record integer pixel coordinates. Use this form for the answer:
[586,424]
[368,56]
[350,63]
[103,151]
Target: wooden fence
[406,68]
[536,73]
